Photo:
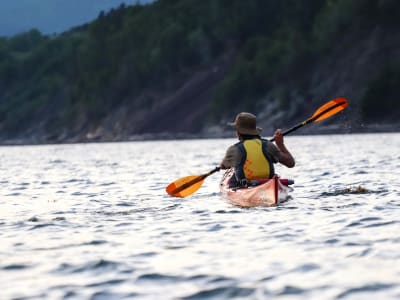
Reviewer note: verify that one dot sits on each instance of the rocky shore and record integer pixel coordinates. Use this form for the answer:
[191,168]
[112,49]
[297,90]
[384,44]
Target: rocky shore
[214,132]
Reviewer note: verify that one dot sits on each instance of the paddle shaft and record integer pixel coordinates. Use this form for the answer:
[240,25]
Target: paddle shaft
[294,128]
[309,120]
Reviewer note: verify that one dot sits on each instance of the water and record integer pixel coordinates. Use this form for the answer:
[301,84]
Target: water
[93,222]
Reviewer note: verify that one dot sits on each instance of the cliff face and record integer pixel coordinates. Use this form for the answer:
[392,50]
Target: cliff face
[349,69]
[183,111]
[136,74]
[346,70]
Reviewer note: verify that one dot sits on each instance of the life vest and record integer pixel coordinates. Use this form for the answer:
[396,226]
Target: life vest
[256,162]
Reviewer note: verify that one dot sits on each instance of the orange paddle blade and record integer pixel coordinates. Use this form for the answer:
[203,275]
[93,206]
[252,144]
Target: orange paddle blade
[185,186]
[329,109]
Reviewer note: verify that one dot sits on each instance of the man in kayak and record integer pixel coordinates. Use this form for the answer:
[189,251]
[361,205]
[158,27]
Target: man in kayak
[253,157]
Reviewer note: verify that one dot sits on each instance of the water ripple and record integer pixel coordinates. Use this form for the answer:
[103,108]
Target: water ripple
[98,265]
[15,267]
[365,289]
[221,293]
[93,221]
[159,277]
[291,290]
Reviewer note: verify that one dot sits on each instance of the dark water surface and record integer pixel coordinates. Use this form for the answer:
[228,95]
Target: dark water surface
[93,222]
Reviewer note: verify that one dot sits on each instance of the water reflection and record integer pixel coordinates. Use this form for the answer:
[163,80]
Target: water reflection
[93,221]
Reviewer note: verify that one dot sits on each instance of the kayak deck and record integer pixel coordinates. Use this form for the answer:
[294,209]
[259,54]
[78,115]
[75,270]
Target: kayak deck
[270,193]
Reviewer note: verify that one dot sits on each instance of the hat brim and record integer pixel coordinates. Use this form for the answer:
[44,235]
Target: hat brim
[249,131]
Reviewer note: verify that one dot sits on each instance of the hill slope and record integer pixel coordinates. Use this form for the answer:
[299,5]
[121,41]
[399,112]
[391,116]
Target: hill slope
[181,67]
[51,16]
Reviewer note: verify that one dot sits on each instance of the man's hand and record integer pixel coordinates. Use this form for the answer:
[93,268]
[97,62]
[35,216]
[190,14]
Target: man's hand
[278,136]
[285,157]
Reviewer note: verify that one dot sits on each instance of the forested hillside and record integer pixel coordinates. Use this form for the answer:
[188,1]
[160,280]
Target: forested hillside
[179,67]
[51,16]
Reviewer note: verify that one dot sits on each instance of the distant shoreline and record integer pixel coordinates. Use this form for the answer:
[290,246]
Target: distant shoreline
[166,136]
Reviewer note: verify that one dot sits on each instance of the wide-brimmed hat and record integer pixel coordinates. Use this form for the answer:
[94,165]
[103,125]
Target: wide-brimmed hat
[246,123]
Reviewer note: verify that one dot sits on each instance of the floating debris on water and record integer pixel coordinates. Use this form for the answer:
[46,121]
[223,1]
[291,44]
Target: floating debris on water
[356,190]
[347,190]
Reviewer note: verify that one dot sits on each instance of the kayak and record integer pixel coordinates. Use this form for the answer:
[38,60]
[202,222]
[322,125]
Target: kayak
[269,192]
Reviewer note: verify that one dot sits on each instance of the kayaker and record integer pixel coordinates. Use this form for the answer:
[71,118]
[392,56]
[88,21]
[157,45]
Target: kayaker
[253,157]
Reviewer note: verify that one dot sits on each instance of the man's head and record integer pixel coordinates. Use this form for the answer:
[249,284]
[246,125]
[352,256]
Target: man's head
[246,124]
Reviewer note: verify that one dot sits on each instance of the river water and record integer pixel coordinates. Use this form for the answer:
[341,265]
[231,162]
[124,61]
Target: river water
[92,221]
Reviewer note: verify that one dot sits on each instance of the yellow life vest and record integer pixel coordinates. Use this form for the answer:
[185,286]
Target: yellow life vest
[255,162]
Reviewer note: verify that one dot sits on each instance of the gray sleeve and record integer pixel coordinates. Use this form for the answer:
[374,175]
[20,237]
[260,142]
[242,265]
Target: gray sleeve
[232,157]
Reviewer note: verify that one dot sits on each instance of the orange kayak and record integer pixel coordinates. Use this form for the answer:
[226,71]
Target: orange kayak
[269,193]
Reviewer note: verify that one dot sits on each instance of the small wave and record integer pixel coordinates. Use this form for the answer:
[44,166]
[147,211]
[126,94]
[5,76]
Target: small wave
[220,279]
[381,224]
[105,295]
[307,268]
[326,173]
[89,195]
[15,267]
[200,212]
[354,224]
[146,254]
[175,247]
[171,207]
[221,293]
[123,224]
[368,223]
[39,226]
[136,211]
[216,227]
[125,204]
[362,253]
[360,172]
[57,161]
[99,265]
[13,194]
[159,277]
[106,184]
[59,218]
[86,182]
[268,278]
[21,188]
[331,241]
[73,245]
[95,243]
[106,282]
[356,244]
[291,290]
[197,277]
[231,211]
[365,289]
[335,207]
[370,219]
[70,294]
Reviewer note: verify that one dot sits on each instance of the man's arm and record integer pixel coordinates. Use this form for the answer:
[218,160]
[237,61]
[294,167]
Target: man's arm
[285,157]
[231,159]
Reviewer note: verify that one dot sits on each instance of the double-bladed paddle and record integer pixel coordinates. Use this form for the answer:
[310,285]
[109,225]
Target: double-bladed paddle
[186,186]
